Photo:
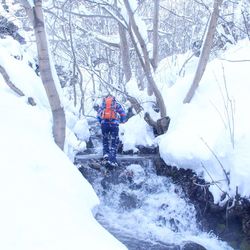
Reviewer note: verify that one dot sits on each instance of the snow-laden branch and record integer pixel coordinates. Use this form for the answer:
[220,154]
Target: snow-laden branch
[87,15]
[146,62]
[188,19]
[234,61]
[118,19]
[27,3]
[101,38]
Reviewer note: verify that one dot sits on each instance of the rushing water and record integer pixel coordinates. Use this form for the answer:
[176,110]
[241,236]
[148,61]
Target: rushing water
[146,211]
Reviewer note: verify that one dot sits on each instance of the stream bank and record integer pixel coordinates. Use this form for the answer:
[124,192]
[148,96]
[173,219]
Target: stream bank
[230,222]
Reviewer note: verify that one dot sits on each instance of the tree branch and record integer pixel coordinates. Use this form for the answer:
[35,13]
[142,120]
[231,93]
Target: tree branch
[9,82]
[99,39]
[216,157]
[224,59]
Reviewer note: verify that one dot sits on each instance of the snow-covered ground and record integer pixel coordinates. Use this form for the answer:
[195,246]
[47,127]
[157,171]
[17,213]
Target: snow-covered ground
[45,201]
[211,132]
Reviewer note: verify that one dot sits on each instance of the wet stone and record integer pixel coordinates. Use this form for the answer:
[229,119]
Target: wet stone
[193,246]
[129,201]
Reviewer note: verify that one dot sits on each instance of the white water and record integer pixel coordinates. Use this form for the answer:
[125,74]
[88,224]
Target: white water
[161,214]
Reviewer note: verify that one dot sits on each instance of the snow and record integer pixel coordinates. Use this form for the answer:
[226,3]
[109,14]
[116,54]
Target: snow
[45,201]
[81,130]
[129,134]
[139,22]
[31,3]
[29,82]
[212,131]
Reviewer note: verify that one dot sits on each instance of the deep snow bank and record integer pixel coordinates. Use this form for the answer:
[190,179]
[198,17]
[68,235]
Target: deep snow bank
[45,202]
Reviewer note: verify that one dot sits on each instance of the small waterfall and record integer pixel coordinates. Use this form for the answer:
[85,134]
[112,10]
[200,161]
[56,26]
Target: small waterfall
[146,211]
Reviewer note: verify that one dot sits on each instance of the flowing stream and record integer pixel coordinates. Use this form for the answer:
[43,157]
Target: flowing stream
[146,211]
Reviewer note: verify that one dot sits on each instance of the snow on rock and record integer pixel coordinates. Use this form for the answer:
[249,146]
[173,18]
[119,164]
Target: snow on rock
[136,132]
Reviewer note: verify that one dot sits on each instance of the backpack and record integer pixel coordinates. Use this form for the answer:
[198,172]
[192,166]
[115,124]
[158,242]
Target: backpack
[109,108]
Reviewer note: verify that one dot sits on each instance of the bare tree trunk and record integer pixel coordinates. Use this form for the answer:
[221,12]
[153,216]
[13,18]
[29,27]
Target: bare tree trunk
[140,76]
[73,79]
[124,48]
[59,121]
[207,45]
[146,63]
[155,34]
[82,108]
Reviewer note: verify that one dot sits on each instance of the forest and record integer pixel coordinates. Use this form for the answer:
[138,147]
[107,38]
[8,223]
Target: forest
[180,71]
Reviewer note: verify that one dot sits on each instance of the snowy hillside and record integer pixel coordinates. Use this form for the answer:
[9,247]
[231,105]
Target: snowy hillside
[46,204]
[45,201]
[212,132]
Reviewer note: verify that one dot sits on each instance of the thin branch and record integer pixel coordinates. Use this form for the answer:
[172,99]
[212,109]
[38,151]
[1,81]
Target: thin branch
[239,28]
[207,184]
[229,113]
[245,23]
[204,5]
[63,19]
[244,60]
[184,64]
[216,157]
[214,182]
[9,82]
[220,115]
[115,17]
[132,100]
[109,43]
[175,14]
[88,15]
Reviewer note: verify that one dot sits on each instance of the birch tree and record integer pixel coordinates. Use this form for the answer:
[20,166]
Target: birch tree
[206,48]
[124,49]
[146,60]
[59,122]
[155,34]
[162,124]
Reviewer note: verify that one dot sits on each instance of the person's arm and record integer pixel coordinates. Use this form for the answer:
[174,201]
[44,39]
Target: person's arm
[99,115]
[121,112]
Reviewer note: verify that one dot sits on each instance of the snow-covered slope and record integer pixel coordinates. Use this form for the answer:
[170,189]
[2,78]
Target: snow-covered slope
[213,130]
[45,202]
